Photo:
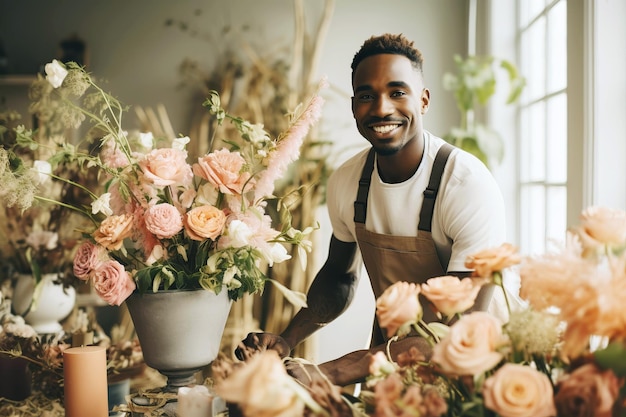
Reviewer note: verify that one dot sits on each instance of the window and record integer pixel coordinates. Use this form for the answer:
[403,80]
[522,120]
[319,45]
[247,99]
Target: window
[543,144]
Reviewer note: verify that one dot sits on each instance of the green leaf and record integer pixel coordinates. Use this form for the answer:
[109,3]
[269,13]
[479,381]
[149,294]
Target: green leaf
[612,357]
[296,298]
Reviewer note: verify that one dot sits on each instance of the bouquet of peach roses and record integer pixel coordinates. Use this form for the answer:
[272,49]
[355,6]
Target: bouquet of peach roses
[562,352]
[162,222]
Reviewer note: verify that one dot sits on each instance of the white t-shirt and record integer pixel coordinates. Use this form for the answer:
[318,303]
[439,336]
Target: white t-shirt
[468,215]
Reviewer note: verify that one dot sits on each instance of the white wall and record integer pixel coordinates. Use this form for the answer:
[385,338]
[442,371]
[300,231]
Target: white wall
[131,47]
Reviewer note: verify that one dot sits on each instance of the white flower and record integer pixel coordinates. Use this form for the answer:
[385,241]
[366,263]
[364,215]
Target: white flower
[102,205]
[156,255]
[207,194]
[239,234]
[277,254]
[55,73]
[256,133]
[180,143]
[146,139]
[44,170]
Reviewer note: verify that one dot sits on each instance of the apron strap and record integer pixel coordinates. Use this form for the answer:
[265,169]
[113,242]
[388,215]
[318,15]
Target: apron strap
[360,204]
[430,194]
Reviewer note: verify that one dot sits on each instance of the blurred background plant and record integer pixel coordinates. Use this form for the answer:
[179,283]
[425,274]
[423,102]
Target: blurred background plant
[473,85]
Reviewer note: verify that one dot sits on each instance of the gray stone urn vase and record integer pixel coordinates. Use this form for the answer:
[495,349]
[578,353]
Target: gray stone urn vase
[179,331]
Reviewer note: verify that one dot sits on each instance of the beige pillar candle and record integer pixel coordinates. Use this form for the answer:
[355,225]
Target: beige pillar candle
[195,401]
[85,372]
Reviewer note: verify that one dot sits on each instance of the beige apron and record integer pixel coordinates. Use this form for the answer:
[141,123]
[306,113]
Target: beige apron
[389,259]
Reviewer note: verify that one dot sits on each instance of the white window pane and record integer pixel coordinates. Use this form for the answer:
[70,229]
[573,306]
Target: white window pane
[556,223]
[529,9]
[533,61]
[556,143]
[532,219]
[557,46]
[533,157]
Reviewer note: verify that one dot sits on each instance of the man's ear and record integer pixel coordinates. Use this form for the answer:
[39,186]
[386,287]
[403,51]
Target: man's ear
[425,100]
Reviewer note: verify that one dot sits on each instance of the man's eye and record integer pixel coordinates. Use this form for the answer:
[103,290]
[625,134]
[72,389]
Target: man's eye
[398,94]
[365,97]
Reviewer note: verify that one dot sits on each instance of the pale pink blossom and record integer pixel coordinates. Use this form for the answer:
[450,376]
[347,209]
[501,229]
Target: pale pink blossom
[398,305]
[87,259]
[587,391]
[471,346]
[517,390]
[225,170]
[486,262]
[163,220]
[166,166]
[113,230]
[111,154]
[288,148]
[600,227]
[451,295]
[113,283]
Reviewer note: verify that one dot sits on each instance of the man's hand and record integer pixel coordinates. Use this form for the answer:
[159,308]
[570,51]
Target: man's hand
[259,342]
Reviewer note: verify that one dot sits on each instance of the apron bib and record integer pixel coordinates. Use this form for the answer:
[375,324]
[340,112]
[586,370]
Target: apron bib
[389,259]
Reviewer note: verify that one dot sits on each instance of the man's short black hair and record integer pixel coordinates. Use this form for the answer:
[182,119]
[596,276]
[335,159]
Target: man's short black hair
[388,44]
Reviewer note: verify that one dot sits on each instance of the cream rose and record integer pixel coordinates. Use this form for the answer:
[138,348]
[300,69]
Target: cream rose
[451,295]
[399,304]
[113,230]
[55,73]
[113,283]
[262,388]
[587,391]
[163,220]
[470,348]
[601,226]
[519,391]
[166,166]
[488,261]
[223,169]
[204,222]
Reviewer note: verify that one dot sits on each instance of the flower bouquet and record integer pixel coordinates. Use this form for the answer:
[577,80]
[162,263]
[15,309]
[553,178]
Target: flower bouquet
[561,353]
[162,222]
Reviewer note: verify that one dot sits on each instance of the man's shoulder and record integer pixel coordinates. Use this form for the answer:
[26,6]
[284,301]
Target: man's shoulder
[352,165]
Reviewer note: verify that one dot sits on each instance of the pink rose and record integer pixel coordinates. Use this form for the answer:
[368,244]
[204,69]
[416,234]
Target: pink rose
[113,230]
[166,166]
[113,283]
[488,261]
[163,220]
[204,222]
[519,391]
[223,169]
[587,391]
[600,226]
[398,305]
[451,295]
[87,258]
[470,347]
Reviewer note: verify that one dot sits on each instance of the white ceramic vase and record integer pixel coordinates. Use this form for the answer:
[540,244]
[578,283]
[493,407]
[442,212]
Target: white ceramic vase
[52,304]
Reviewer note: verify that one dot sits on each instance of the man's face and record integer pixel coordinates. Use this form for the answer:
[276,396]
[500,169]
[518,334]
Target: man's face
[389,102]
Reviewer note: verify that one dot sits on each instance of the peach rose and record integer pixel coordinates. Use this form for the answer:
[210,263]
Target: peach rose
[163,220]
[113,283]
[87,258]
[223,169]
[399,304]
[166,166]
[113,230]
[519,391]
[587,391]
[451,295]
[261,387]
[204,222]
[488,261]
[471,346]
[601,226]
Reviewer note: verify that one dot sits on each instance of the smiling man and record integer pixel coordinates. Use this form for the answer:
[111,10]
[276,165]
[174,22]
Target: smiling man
[411,207]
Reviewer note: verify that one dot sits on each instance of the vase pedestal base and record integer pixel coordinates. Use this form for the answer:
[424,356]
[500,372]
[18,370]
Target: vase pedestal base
[166,404]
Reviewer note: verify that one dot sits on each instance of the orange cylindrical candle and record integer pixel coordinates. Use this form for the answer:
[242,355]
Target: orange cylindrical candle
[85,372]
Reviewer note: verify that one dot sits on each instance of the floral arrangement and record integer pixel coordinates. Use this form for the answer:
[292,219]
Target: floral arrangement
[43,239]
[162,222]
[563,353]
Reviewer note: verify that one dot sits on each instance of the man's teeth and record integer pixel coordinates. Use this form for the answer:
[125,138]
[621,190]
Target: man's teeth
[384,129]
